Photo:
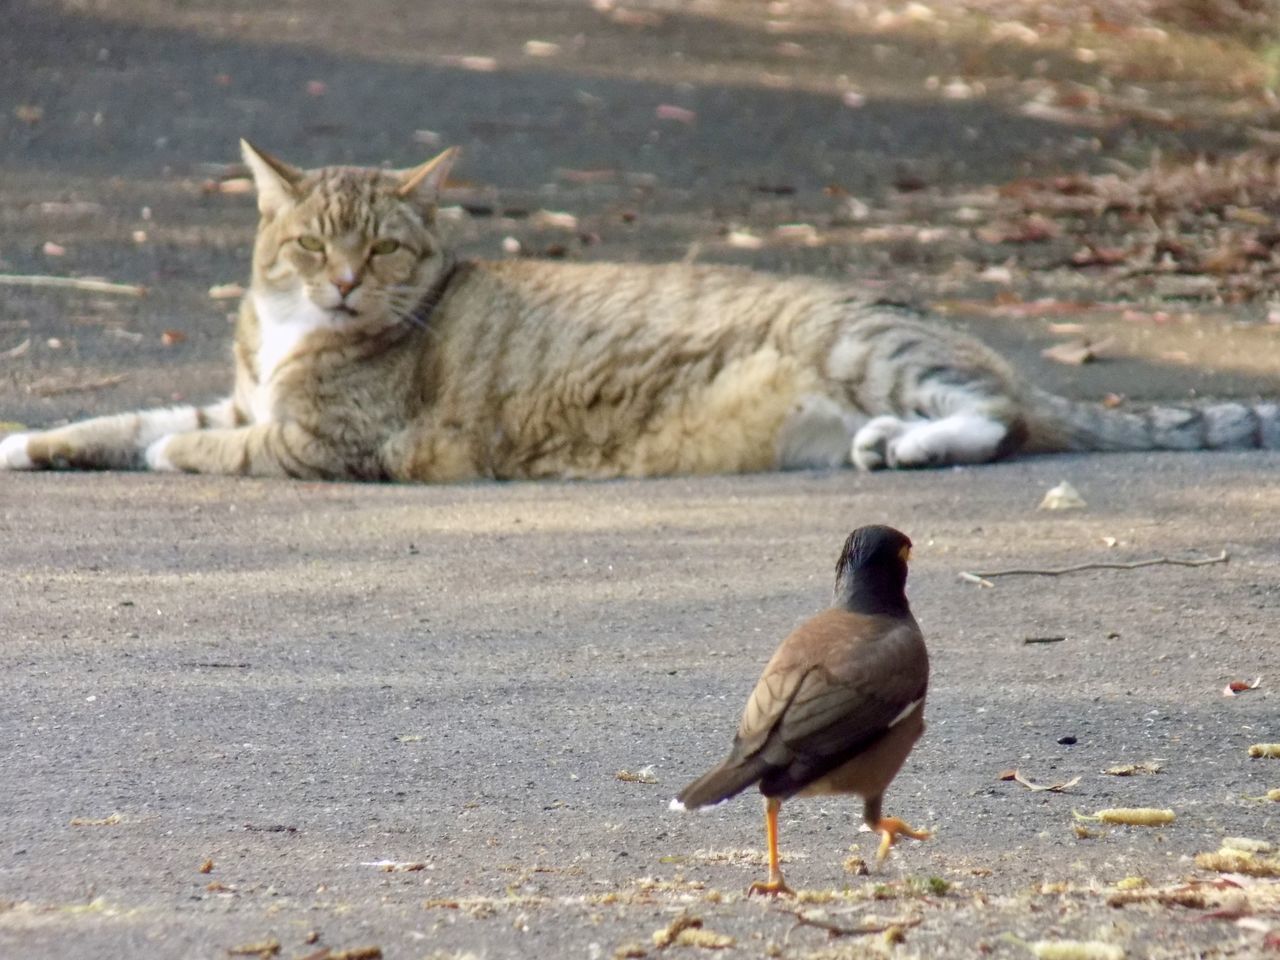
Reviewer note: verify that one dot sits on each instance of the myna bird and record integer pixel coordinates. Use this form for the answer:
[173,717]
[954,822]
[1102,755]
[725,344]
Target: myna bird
[840,704]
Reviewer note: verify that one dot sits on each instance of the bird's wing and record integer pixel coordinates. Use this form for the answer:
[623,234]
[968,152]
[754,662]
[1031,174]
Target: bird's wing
[835,685]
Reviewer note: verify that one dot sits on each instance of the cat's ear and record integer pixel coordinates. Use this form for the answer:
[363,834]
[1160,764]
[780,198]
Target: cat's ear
[427,180]
[276,181]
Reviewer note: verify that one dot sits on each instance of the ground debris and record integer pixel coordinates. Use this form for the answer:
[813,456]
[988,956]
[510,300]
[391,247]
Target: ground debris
[1271,750]
[265,949]
[643,775]
[1130,816]
[108,821]
[1133,769]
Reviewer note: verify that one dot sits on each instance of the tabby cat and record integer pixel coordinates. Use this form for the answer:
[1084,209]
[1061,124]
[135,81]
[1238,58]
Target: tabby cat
[365,351]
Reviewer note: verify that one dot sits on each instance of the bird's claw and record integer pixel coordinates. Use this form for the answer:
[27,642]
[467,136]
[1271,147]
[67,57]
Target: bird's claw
[773,887]
[890,828]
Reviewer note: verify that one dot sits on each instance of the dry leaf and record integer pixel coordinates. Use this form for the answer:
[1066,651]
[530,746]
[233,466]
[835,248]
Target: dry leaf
[268,948]
[1063,497]
[1132,769]
[236,185]
[706,939]
[554,220]
[171,338]
[804,234]
[29,113]
[541,48]
[108,821]
[669,111]
[51,249]
[1239,686]
[1039,787]
[226,291]
[14,352]
[643,775]
[744,239]
[1271,750]
[1072,354]
[1075,950]
[1130,816]
[206,867]
[668,935]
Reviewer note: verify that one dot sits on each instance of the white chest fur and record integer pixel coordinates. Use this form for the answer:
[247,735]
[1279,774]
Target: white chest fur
[285,320]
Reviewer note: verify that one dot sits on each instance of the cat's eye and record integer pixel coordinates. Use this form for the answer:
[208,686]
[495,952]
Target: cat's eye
[385,246]
[314,244]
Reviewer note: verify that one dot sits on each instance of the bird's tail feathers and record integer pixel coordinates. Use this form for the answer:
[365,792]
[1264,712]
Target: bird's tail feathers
[725,781]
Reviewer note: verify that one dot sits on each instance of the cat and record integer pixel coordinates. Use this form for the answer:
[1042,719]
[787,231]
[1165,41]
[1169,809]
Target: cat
[366,351]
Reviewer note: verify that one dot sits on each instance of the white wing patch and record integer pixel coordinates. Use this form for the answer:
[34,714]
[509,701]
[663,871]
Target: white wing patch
[905,712]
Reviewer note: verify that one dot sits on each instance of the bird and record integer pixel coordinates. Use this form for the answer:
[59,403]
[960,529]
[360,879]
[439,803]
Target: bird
[839,705]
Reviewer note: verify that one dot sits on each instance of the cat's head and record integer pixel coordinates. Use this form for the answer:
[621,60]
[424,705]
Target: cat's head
[344,245]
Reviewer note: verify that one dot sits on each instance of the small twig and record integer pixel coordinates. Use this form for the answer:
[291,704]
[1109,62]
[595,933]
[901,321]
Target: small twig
[46,388]
[835,930]
[984,578]
[1043,639]
[73,283]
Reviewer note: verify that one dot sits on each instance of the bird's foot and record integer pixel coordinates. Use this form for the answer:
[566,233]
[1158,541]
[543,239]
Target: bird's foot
[890,828]
[775,886]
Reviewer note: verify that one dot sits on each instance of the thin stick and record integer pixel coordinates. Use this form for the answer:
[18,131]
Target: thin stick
[835,930]
[73,283]
[984,578]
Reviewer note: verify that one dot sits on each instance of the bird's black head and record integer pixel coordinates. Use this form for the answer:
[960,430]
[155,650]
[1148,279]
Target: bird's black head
[871,574]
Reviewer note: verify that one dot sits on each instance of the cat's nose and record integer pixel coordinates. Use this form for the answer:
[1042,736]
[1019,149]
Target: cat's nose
[345,285]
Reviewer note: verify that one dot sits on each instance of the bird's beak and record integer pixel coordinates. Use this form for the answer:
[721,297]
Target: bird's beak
[905,554]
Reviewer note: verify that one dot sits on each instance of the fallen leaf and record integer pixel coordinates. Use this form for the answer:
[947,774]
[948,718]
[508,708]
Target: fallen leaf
[1063,497]
[1039,787]
[744,240]
[206,867]
[1133,769]
[552,219]
[669,111]
[14,352]
[1074,354]
[108,821]
[667,936]
[643,775]
[1239,686]
[541,48]
[171,338]
[226,291]
[29,113]
[51,249]
[235,185]
[267,948]
[1130,816]
[1271,750]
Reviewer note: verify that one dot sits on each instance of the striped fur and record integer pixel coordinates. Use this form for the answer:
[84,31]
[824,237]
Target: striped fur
[373,356]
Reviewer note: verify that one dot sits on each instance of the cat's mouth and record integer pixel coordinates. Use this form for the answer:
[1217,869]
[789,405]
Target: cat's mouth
[345,310]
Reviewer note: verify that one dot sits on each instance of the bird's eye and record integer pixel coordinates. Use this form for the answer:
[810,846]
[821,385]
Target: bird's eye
[314,244]
[385,246]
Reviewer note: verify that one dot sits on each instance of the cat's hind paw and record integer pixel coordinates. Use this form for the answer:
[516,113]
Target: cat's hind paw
[13,452]
[156,457]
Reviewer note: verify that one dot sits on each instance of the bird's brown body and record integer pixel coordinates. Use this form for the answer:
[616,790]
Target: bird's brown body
[840,704]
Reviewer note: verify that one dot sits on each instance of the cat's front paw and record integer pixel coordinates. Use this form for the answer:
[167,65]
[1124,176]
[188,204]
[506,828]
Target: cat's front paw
[13,452]
[871,444]
[156,457]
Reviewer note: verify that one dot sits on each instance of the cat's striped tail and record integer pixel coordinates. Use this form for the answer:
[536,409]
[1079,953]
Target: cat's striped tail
[1058,425]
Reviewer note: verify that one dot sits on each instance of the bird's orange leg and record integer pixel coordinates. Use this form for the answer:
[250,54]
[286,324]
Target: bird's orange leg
[890,828]
[775,885]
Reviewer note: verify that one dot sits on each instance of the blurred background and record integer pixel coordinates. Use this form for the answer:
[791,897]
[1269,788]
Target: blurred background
[1092,186]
